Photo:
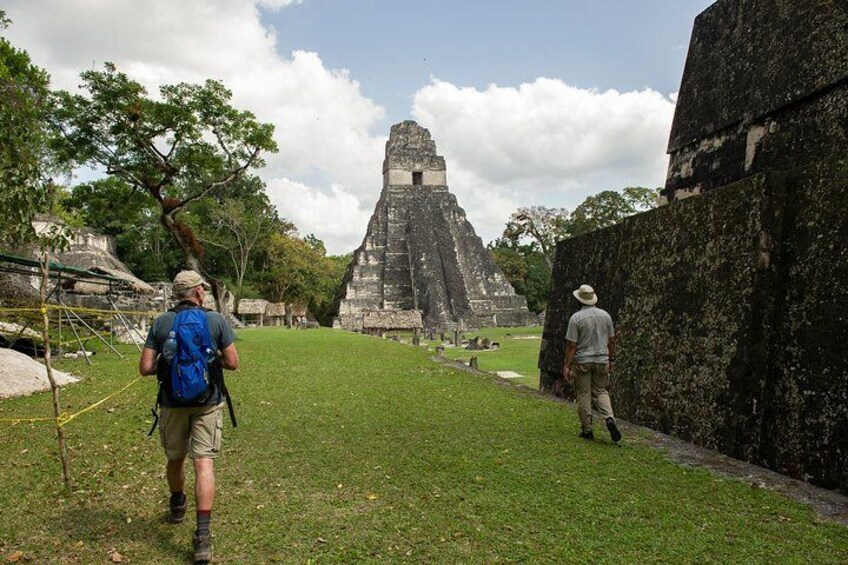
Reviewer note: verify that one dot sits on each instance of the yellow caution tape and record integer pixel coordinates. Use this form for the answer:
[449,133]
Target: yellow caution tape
[63,419]
[81,310]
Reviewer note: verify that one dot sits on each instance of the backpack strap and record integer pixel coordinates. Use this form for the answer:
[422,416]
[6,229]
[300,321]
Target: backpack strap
[155,410]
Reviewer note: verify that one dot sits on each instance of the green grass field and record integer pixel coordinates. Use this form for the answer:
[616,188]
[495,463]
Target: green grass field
[518,352]
[355,449]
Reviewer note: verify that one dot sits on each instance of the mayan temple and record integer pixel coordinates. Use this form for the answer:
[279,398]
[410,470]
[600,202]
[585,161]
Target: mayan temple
[421,253]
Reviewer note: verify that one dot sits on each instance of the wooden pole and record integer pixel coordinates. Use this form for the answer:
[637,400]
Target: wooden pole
[45,334]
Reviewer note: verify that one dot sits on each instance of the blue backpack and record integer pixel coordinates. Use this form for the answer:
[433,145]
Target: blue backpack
[190,362]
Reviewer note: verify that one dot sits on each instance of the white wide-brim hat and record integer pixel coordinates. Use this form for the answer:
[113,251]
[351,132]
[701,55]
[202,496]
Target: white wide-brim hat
[586,295]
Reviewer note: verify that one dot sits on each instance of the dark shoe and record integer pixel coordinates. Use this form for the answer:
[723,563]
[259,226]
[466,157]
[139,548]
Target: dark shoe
[615,435]
[202,548]
[178,511]
[587,434]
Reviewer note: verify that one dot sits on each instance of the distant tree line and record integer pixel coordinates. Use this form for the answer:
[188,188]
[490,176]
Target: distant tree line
[525,252]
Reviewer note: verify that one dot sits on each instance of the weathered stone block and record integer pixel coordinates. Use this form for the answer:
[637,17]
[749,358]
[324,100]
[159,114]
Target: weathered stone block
[765,87]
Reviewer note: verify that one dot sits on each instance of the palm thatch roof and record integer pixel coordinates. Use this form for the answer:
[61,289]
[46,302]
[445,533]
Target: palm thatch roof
[299,309]
[276,310]
[392,320]
[255,307]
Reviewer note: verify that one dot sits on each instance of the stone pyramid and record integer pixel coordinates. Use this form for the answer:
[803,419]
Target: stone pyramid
[420,251]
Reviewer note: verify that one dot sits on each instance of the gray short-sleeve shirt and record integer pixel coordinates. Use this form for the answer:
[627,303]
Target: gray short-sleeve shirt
[590,328]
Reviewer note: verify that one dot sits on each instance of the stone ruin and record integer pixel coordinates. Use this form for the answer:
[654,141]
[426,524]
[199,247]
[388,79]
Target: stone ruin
[87,250]
[765,88]
[421,253]
[732,306]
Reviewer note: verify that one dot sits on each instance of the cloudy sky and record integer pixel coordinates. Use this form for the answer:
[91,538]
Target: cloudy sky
[531,101]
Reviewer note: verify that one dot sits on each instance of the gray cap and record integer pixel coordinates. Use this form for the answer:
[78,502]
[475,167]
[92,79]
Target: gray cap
[189,279]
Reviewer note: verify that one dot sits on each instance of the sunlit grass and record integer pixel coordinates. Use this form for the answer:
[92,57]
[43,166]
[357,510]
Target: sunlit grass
[355,449]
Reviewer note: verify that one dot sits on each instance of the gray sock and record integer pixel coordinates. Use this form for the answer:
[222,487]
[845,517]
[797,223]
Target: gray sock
[203,519]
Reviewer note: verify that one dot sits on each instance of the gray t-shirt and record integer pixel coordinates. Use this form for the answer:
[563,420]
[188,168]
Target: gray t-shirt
[590,328]
[219,329]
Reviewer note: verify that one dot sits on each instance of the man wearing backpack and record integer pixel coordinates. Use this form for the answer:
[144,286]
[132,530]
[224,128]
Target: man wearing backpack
[187,348]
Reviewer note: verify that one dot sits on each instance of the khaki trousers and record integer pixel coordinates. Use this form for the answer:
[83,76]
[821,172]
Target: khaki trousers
[591,381]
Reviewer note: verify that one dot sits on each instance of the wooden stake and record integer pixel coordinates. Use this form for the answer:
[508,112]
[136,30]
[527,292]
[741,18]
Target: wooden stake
[45,334]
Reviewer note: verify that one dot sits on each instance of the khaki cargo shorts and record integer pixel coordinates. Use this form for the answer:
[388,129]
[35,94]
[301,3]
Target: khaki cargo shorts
[193,432]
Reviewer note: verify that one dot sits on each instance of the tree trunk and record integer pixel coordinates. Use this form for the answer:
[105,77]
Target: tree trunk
[192,259]
[192,262]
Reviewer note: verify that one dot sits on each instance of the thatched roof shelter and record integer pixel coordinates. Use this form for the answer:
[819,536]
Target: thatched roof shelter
[276,310]
[252,307]
[387,320]
[300,309]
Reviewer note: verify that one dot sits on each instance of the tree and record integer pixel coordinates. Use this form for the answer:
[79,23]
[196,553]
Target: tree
[544,226]
[299,271]
[115,208]
[610,207]
[240,229]
[294,266]
[189,144]
[24,159]
[526,268]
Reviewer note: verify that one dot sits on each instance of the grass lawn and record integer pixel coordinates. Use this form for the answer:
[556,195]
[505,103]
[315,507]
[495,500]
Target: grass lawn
[519,352]
[354,449]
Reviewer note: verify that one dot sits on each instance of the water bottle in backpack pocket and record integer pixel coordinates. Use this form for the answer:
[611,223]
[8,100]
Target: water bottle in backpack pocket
[190,364]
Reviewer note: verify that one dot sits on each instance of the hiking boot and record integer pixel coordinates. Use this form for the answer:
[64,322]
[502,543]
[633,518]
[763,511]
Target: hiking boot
[615,435]
[587,434]
[202,548]
[178,511]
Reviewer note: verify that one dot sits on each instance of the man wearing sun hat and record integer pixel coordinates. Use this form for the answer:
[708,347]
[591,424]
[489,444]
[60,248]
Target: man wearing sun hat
[193,429]
[589,355]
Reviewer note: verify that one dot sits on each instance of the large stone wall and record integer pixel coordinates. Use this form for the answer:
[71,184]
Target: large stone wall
[765,87]
[732,317]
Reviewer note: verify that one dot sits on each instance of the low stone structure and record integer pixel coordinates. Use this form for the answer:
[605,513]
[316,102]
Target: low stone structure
[732,308]
[421,253]
[378,322]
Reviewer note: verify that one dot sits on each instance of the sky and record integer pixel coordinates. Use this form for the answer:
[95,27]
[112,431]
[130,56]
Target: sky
[531,102]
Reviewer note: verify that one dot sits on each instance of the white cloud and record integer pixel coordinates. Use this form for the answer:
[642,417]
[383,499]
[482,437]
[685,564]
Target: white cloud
[322,118]
[275,4]
[339,213]
[544,142]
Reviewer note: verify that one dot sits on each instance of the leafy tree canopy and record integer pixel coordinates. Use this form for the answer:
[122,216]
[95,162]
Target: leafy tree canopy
[24,161]
[526,251]
[187,144]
